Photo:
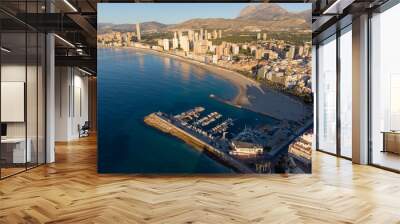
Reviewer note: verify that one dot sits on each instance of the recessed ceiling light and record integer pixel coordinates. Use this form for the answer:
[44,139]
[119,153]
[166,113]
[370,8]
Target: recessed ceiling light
[64,40]
[86,72]
[5,50]
[70,5]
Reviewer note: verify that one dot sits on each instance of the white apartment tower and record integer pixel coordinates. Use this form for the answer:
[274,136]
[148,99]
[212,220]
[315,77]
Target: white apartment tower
[139,38]
[166,44]
[184,43]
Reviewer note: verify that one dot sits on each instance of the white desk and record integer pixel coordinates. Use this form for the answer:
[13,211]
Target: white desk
[19,155]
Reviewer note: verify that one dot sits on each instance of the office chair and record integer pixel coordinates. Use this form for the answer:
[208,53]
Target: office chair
[84,130]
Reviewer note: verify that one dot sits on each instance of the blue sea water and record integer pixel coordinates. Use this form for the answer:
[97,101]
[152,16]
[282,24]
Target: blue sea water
[133,84]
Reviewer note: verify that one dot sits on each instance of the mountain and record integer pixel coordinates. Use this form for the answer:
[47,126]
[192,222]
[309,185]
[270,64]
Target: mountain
[144,27]
[306,15]
[264,16]
[242,24]
[267,11]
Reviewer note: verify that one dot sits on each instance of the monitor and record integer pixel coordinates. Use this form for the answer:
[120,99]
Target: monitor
[3,129]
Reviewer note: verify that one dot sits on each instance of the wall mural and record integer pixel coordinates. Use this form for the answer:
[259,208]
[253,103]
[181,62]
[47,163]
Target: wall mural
[204,88]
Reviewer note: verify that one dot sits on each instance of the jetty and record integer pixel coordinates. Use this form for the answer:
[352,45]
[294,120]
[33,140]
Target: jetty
[163,123]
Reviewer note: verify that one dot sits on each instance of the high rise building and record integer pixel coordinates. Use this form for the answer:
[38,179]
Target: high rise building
[258,36]
[300,51]
[160,42]
[259,53]
[264,36]
[191,35]
[175,43]
[290,53]
[227,51]
[201,46]
[219,51]
[180,34]
[184,43]
[166,44]
[307,50]
[138,36]
[235,49]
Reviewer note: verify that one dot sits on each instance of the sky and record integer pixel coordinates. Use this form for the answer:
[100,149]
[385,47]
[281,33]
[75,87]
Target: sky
[171,13]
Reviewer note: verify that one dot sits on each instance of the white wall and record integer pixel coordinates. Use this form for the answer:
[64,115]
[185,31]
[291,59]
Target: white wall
[71,102]
[33,126]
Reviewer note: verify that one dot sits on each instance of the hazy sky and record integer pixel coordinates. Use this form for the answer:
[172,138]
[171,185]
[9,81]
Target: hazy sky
[170,13]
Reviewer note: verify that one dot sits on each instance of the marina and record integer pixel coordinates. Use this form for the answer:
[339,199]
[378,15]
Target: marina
[250,147]
[163,123]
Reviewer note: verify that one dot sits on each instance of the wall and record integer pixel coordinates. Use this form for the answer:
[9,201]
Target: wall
[33,127]
[17,73]
[14,73]
[71,102]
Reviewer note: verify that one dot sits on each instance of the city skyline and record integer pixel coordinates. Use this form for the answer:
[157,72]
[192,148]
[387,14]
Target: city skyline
[173,13]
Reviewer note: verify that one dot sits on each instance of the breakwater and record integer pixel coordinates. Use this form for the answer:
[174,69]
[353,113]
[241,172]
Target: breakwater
[166,126]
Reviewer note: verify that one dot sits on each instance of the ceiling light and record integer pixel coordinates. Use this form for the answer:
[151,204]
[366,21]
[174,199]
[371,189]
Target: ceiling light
[64,40]
[70,5]
[86,72]
[5,50]
[337,7]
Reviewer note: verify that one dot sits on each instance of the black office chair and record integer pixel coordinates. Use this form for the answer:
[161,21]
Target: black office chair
[84,130]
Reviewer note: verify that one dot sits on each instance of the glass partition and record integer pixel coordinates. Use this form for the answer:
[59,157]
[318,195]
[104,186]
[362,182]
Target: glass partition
[346,92]
[14,153]
[22,88]
[327,95]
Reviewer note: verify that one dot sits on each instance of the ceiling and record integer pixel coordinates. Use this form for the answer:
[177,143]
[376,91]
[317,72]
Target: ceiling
[75,21]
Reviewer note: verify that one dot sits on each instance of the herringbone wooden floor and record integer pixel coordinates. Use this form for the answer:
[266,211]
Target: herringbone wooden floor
[70,191]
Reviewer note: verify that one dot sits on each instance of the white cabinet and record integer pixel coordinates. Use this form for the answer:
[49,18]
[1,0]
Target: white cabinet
[19,154]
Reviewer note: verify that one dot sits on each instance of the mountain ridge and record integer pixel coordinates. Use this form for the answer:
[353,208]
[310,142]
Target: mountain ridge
[260,16]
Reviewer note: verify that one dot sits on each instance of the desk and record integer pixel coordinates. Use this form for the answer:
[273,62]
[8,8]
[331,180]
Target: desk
[15,148]
[391,141]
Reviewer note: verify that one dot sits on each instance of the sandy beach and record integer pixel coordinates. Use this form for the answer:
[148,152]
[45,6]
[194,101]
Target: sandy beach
[251,94]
